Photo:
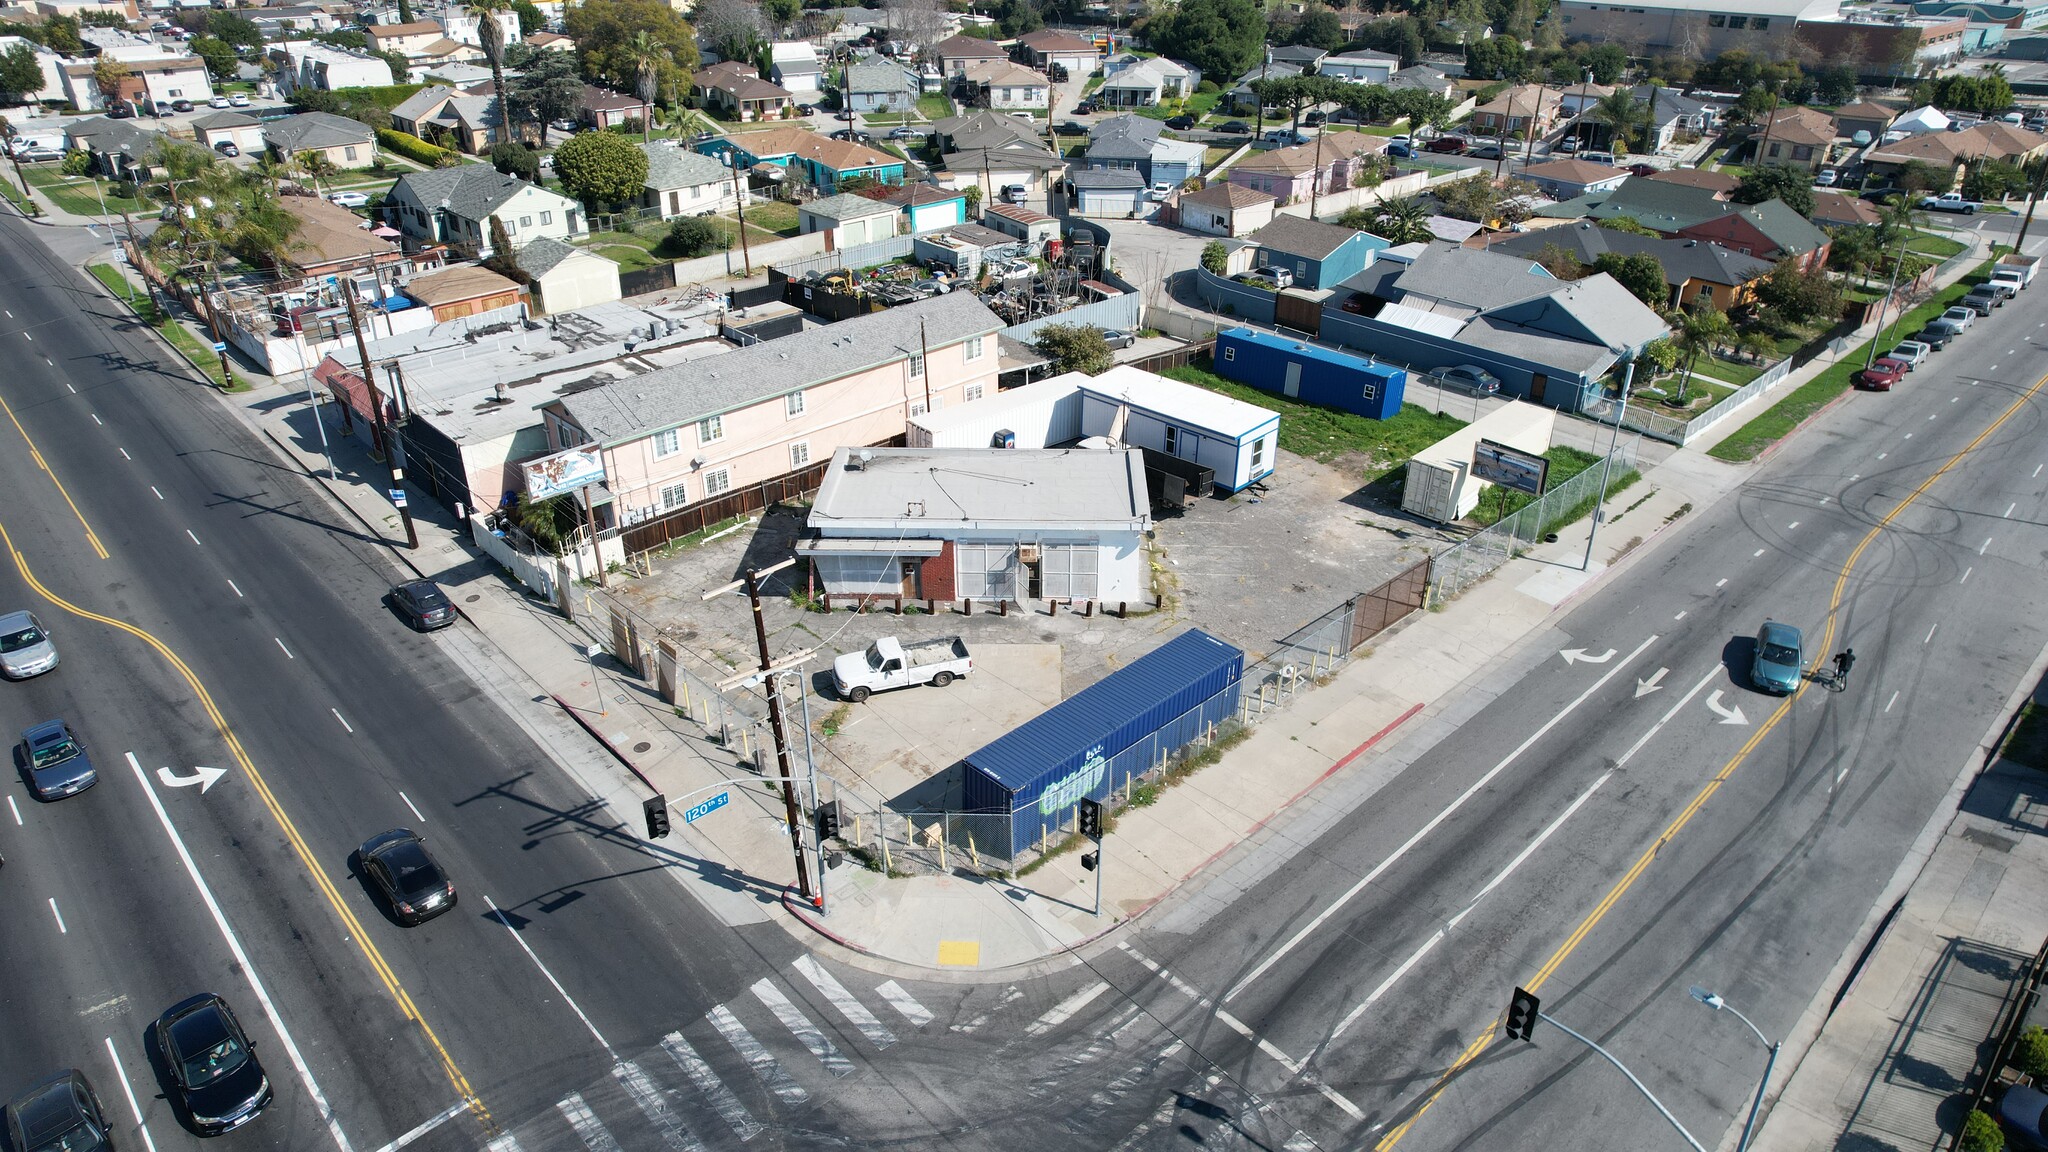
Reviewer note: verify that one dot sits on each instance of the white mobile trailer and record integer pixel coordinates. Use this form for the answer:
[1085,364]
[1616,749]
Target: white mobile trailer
[1038,415]
[1440,485]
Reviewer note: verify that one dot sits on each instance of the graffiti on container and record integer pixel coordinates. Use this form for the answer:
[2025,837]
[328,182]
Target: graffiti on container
[1067,791]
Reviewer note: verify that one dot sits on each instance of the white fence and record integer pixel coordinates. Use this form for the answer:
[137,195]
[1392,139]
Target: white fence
[1339,200]
[1116,312]
[852,256]
[1670,429]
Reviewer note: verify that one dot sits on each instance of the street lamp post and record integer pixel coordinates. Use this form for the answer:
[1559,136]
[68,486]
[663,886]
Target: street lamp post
[1714,1001]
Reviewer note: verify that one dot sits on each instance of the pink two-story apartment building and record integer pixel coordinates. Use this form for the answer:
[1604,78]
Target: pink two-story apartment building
[695,431]
[1329,164]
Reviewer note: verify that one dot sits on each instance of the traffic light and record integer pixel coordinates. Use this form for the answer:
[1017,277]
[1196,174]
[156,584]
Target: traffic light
[1088,860]
[1522,1015]
[828,820]
[657,817]
[1090,819]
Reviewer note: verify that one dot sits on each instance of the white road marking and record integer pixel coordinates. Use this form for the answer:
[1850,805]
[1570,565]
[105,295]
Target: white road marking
[1855,476]
[596,1136]
[1882,455]
[287,652]
[1011,995]
[409,804]
[344,722]
[96,419]
[195,539]
[847,1004]
[159,495]
[2008,510]
[1651,732]
[1894,700]
[1437,937]
[1930,415]
[1951,400]
[1930,634]
[1966,576]
[428,1125]
[124,453]
[655,1107]
[505,1143]
[891,991]
[1064,1011]
[17,811]
[756,1055]
[67,383]
[1909,436]
[1417,837]
[566,998]
[238,591]
[1756,554]
[2037,470]
[1792,525]
[1680,616]
[708,1084]
[129,1091]
[256,986]
[801,1027]
[1984,545]
[1299,1142]
[61,929]
[1824,499]
[1718,583]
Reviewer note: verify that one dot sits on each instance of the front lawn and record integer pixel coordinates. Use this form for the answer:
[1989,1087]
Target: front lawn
[1928,244]
[1327,434]
[80,195]
[774,216]
[935,106]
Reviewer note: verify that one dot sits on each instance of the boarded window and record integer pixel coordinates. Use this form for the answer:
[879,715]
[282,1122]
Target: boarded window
[986,571]
[1070,571]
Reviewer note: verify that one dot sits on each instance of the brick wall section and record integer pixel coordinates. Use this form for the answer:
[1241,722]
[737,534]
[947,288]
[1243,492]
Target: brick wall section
[936,579]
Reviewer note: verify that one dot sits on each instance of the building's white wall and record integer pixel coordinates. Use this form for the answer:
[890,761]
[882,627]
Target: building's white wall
[579,282]
[1121,571]
[1230,458]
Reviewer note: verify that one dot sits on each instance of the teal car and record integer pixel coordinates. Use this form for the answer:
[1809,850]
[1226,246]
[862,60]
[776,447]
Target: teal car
[1779,662]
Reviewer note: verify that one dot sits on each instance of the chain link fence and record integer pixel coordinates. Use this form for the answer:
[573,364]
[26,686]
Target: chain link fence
[1478,556]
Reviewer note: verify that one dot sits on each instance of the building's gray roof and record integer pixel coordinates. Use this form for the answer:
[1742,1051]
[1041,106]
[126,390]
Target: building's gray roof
[669,167]
[878,74]
[310,130]
[111,135]
[225,120]
[1671,103]
[998,159]
[475,111]
[922,490]
[847,206]
[1104,179]
[1791,232]
[473,191]
[976,235]
[1418,76]
[1301,54]
[1472,278]
[1274,71]
[1611,312]
[1358,58]
[1521,342]
[1658,204]
[1123,138]
[422,102]
[1300,237]
[683,394]
[540,257]
[1682,260]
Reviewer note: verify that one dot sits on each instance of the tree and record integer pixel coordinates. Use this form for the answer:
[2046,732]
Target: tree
[602,30]
[21,72]
[1981,1133]
[1663,356]
[317,167]
[109,76]
[405,11]
[350,38]
[221,62]
[1836,85]
[1755,103]
[60,33]
[1215,258]
[732,28]
[1920,176]
[1622,113]
[1853,251]
[1701,329]
[973,193]
[490,35]
[78,163]
[547,87]
[1785,182]
[645,54]
[531,18]
[401,67]
[1560,262]
[504,258]
[692,236]
[1641,273]
[1223,38]
[601,168]
[1474,198]
[1994,180]
[516,159]
[1800,294]
[239,32]
[780,14]
[1075,348]
[1319,28]
[1403,220]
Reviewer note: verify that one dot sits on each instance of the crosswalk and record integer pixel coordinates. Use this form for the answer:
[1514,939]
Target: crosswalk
[720,1081]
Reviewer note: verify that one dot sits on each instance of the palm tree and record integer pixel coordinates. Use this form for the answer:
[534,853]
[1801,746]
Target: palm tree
[318,168]
[1702,327]
[1623,115]
[644,53]
[490,36]
[1404,220]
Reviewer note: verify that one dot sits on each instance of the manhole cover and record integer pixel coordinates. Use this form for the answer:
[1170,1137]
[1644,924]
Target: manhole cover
[471,599]
[642,746]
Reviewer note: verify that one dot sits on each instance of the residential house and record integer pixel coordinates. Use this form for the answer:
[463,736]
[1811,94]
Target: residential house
[1106,193]
[927,207]
[1020,223]
[1991,140]
[808,157]
[344,142]
[794,65]
[119,148]
[332,242]
[421,114]
[1003,85]
[443,54]
[1837,210]
[408,40]
[604,108]
[450,118]
[1306,57]
[466,78]
[279,22]
[1227,209]
[1693,270]
[880,84]
[1136,144]
[566,277]
[242,130]
[847,220]
[1564,179]
[993,151]
[1519,111]
[170,80]
[1718,183]
[1763,28]
[685,183]
[1238,97]
[1333,163]
[1863,116]
[1797,136]
[464,290]
[464,25]
[1319,255]
[551,42]
[454,206]
[684,433]
[1147,82]
[1422,78]
[1549,341]
[1670,114]
[1581,98]
[1049,47]
[1769,230]
[324,68]
[52,64]
[735,91]
[954,54]
[80,90]
[1362,67]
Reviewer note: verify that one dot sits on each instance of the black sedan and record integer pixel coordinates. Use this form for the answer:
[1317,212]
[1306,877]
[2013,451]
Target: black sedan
[1181,123]
[219,1082]
[1234,128]
[412,881]
[423,605]
[62,1112]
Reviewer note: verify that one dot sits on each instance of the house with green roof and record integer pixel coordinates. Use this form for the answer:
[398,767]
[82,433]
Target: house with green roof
[1768,231]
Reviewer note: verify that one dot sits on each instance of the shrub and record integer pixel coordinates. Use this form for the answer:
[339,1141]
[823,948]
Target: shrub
[1216,258]
[630,126]
[694,236]
[1981,1134]
[412,147]
[2030,1056]
[77,163]
[1207,86]
[124,190]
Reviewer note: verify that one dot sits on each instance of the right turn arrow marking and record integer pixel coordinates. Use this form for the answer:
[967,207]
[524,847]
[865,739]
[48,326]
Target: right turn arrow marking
[1728,715]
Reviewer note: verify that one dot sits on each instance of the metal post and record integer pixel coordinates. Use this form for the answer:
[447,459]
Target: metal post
[811,763]
[318,421]
[1749,1123]
[1098,877]
[1607,465]
[789,805]
[2033,198]
[1647,1094]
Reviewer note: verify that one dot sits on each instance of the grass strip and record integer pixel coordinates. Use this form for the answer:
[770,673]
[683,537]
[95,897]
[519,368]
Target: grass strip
[199,354]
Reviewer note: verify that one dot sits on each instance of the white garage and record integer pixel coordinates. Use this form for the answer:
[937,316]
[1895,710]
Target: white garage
[566,278]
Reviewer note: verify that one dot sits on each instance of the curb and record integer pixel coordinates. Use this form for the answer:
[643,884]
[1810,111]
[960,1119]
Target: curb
[583,722]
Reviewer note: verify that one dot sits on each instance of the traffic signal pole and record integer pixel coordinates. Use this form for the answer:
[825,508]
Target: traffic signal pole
[1088,814]
[1523,1012]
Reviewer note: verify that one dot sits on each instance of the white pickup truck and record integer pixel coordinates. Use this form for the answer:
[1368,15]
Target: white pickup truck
[2015,270]
[1950,202]
[889,663]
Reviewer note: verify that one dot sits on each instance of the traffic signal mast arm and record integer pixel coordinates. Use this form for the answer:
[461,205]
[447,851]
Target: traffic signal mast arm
[1524,1011]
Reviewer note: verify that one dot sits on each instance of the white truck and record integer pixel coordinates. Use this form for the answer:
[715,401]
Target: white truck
[889,663]
[2015,270]
[1950,202]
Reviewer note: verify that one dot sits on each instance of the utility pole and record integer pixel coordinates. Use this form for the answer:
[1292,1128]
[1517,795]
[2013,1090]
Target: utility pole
[924,360]
[775,722]
[1529,149]
[393,456]
[739,199]
[1890,287]
[2033,199]
[1607,466]
[1315,180]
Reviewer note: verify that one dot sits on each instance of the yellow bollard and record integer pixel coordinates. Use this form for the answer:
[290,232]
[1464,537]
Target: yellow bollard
[888,865]
[856,831]
[747,743]
[972,854]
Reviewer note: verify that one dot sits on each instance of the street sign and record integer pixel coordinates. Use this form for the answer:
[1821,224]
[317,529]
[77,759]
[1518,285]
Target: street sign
[707,807]
[1510,467]
[220,346]
[397,497]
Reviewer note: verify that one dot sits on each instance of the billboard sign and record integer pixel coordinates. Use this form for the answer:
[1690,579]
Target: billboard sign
[1510,467]
[565,471]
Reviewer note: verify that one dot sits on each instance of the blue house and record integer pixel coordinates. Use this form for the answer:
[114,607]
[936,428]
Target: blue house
[809,157]
[1319,255]
[1303,371]
[928,208]
[1134,144]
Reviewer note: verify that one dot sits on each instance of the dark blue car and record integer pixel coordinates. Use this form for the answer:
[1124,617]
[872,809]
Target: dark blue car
[53,761]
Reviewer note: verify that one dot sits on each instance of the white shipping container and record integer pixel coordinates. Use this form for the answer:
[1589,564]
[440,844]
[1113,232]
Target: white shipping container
[1041,414]
[1440,485]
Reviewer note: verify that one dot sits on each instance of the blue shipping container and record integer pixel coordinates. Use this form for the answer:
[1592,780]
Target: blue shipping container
[1274,363]
[1118,726]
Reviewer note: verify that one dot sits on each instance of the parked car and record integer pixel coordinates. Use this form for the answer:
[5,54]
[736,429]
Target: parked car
[1825,178]
[407,875]
[1960,317]
[38,155]
[119,110]
[906,133]
[217,102]
[1640,169]
[1358,303]
[1181,123]
[54,763]
[889,663]
[1486,152]
[1950,202]
[1470,379]
[25,647]
[1568,145]
[423,605]
[568,126]
[239,100]
[226,148]
[63,1112]
[1274,278]
[1074,128]
[1403,139]
[1606,158]
[1313,118]
[1085,108]
[1982,299]
[1023,116]
[1015,194]
[1234,128]
[853,135]
[181,105]
[1911,353]
[1118,338]
[1400,151]
[1447,144]
[1881,375]
[2015,270]
[1778,665]
[219,1082]
[351,199]
[1162,190]
[1937,335]
[807,109]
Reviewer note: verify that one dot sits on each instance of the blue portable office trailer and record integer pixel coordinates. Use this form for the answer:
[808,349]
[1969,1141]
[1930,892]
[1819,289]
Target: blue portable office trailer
[1273,363]
[1115,728]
